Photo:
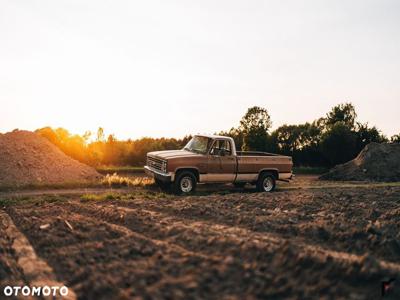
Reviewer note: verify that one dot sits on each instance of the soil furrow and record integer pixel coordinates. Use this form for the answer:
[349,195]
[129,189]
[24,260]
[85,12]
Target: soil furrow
[136,252]
[239,236]
[34,270]
[354,223]
[247,251]
[332,243]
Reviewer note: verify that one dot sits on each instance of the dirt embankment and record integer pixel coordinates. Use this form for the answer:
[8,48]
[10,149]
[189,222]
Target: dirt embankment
[376,162]
[27,158]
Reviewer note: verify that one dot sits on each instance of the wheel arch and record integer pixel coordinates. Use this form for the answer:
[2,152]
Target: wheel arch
[273,171]
[195,171]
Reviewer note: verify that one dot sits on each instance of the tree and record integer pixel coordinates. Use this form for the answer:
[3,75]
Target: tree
[366,135]
[254,127]
[395,138]
[86,136]
[291,138]
[255,140]
[287,138]
[237,136]
[302,142]
[338,144]
[344,112]
[49,133]
[256,117]
[100,134]
[72,145]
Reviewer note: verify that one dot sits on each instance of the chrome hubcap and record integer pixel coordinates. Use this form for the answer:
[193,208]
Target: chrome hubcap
[186,184]
[268,184]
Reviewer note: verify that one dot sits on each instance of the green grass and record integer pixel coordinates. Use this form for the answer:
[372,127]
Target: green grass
[99,197]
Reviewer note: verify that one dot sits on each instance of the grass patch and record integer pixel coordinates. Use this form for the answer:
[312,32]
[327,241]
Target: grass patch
[123,196]
[115,180]
[99,197]
[35,200]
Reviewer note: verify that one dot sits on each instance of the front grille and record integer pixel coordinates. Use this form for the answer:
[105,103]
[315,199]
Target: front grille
[155,163]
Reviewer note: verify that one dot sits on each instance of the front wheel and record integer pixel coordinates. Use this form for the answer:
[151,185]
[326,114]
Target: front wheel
[185,183]
[266,182]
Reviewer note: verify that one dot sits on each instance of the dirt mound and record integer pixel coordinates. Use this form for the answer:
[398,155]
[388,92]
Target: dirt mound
[376,162]
[27,158]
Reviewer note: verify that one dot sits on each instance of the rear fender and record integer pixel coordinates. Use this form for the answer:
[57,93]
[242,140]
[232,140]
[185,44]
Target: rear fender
[274,172]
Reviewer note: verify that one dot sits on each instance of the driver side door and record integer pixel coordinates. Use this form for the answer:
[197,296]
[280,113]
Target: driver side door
[221,163]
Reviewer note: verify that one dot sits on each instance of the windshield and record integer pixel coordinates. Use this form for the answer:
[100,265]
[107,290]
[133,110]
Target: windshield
[198,144]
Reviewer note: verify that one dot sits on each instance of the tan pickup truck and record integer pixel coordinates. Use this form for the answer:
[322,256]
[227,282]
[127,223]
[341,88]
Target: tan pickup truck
[212,158]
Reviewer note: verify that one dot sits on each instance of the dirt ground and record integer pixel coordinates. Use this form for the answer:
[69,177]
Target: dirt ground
[308,240]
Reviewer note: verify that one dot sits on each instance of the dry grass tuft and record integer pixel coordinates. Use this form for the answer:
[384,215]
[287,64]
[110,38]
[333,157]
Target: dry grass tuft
[99,197]
[115,180]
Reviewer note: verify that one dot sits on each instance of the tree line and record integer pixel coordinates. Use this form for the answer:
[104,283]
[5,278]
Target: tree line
[108,151]
[335,138]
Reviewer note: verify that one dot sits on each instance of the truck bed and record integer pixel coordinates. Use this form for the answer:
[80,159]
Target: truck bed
[250,163]
[255,153]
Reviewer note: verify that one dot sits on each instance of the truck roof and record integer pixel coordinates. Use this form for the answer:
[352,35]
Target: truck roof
[213,136]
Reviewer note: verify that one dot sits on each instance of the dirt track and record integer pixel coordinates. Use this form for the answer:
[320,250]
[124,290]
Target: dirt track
[309,243]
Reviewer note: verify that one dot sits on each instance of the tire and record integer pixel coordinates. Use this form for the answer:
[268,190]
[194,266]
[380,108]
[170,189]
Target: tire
[266,182]
[185,183]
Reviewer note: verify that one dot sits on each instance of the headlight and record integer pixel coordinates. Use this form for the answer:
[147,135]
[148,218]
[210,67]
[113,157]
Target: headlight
[164,166]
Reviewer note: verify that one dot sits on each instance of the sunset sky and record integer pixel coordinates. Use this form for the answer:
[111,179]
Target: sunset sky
[171,68]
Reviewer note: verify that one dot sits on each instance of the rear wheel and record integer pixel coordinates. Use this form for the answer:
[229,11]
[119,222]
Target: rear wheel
[266,182]
[185,183]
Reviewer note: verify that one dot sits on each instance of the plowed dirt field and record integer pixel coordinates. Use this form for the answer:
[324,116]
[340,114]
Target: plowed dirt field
[323,240]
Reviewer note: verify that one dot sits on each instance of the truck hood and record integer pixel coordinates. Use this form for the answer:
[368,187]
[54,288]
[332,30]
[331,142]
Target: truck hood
[168,154]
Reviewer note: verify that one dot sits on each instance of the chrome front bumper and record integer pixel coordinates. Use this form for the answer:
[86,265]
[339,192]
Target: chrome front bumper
[156,174]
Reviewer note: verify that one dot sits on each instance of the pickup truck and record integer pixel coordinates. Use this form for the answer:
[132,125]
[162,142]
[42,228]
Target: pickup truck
[214,159]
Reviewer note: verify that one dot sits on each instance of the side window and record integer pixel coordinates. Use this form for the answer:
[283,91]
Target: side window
[215,148]
[221,147]
[227,147]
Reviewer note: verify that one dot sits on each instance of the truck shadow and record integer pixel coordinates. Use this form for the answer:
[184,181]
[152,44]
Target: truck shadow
[215,189]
